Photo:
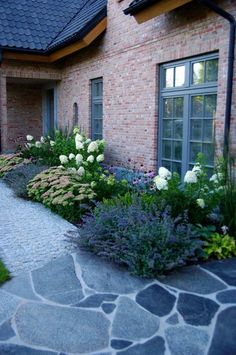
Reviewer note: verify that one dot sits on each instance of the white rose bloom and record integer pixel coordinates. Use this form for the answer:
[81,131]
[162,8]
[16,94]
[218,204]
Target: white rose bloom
[63,159]
[38,144]
[201,202]
[93,146]
[79,145]
[29,138]
[90,159]
[164,173]
[71,156]
[79,158]
[78,138]
[190,177]
[52,143]
[161,184]
[42,139]
[81,171]
[100,158]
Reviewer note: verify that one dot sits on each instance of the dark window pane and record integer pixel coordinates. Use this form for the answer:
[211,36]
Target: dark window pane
[196,130]
[210,105]
[197,106]
[177,150]
[166,149]
[97,110]
[178,129]
[168,108]
[198,73]
[169,78]
[97,126]
[166,164]
[195,148]
[211,70]
[208,151]
[176,167]
[179,107]
[208,132]
[167,129]
[180,75]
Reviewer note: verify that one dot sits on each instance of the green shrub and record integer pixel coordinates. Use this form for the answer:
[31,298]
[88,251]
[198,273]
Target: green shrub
[4,274]
[62,191]
[9,162]
[19,177]
[147,242]
[220,246]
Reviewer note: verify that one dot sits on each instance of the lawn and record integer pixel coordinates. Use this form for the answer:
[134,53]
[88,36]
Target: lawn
[4,274]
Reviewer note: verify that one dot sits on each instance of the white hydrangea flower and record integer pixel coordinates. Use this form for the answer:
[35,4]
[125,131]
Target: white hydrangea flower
[29,138]
[76,130]
[79,145]
[224,229]
[201,202]
[190,177]
[88,141]
[81,171]
[63,159]
[73,170]
[71,156]
[29,145]
[42,139]
[197,169]
[79,158]
[93,184]
[100,158]
[90,159]
[38,144]
[79,138]
[161,184]
[60,166]
[93,146]
[52,143]
[164,173]
[216,178]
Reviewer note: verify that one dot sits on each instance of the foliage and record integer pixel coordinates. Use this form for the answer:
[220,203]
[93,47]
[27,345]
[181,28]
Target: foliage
[4,274]
[148,242]
[19,177]
[9,161]
[62,191]
[220,246]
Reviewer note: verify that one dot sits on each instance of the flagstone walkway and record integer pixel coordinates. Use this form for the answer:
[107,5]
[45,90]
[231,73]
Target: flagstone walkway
[80,304]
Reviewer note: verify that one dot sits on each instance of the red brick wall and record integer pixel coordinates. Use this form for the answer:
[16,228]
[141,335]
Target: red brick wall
[128,58]
[24,112]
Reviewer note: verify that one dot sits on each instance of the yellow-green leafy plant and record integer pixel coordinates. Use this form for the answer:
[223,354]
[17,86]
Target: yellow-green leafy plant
[63,191]
[220,246]
[9,162]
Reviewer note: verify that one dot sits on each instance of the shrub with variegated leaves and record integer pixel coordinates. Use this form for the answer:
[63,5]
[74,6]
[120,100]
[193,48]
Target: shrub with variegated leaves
[9,162]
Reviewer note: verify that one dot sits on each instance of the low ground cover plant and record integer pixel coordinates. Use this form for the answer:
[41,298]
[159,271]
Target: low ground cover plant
[4,274]
[9,162]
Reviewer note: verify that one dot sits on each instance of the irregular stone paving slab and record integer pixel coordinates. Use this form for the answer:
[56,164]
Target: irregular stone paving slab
[196,310]
[96,300]
[6,331]
[102,276]
[225,269]
[193,279]
[186,340]
[8,305]
[155,346]
[20,286]
[57,281]
[173,320]
[132,322]
[62,328]
[12,349]
[31,235]
[228,296]
[224,339]
[108,307]
[119,344]
[156,300]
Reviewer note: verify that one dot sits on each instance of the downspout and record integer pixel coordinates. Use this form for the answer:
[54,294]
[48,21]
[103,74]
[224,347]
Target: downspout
[226,15]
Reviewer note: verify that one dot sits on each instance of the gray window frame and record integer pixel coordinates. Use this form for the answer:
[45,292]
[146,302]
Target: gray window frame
[187,90]
[96,100]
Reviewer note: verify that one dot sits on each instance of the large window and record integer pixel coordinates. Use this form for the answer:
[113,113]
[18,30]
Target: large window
[96,108]
[187,111]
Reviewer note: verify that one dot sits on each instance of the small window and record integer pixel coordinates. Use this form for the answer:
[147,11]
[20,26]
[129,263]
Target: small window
[174,77]
[97,108]
[75,115]
[205,71]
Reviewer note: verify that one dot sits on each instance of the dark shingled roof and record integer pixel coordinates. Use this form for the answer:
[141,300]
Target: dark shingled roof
[44,25]
[138,5]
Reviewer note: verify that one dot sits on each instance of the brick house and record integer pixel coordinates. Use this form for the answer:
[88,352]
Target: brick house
[150,77]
